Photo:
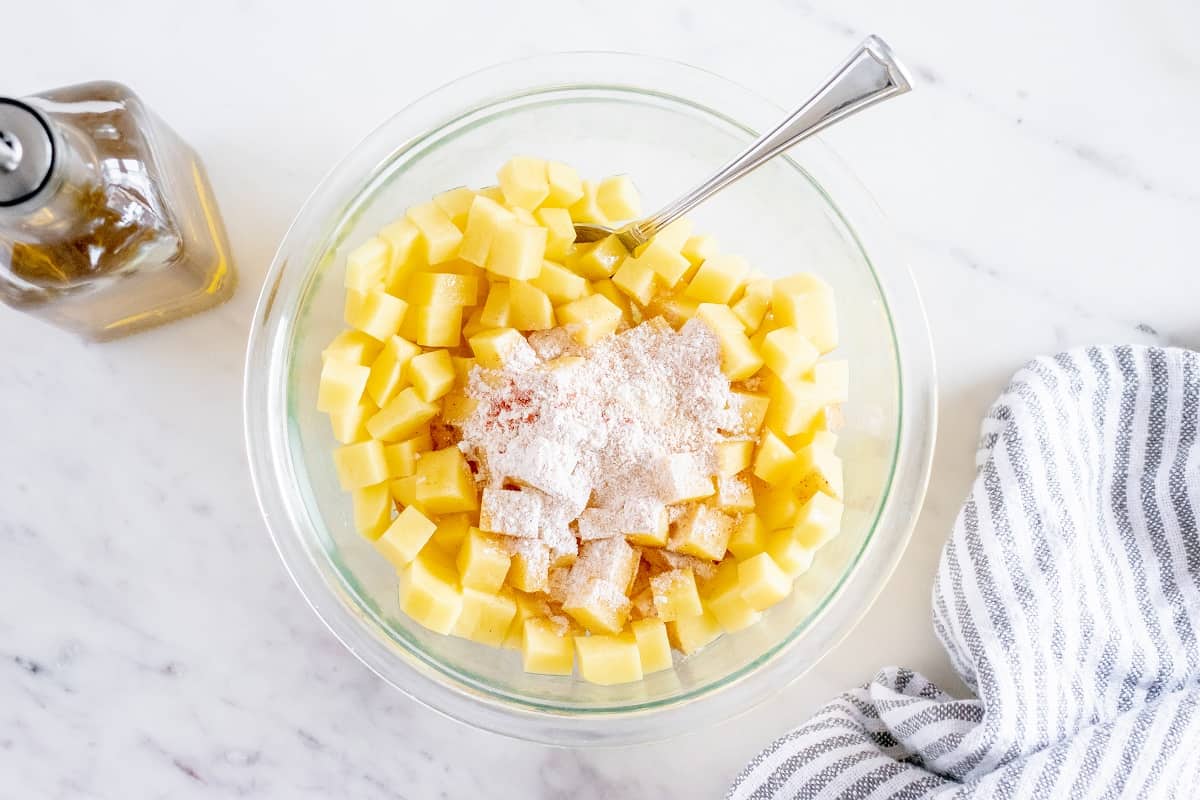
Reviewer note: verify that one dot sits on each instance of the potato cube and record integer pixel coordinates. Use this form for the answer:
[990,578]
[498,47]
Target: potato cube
[524,182]
[445,483]
[341,386]
[438,326]
[360,465]
[718,279]
[405,537]
[586,208]
[451,532]
[675,595]
[665,261]
[495,348]
[457,408]
[811,311]
[788,354]
[833,377]
[429,591]
[597,605]
[531,308]
[786,551]
[462,369]
[689,634]
[723,599]
[456,204]
[777,507]
[794,406]
[682,477]
[749,537]
[565,186]
[367,264]
[401,417]
[773,460]
[403,239]
[497,309]
[761,582]
[738,358]
[402,457]
[817,469]
[484,219]
[636,279]
[644,522]
[353,346]
[751,309]
[482,562]
[698,248]
[374,312]
[443,289]
[589,319]
[672,237]
[703,532]
[818,521]
[608,660]
[387,370]
[517,251]
[674,308]
[734,494]
[485,617]
[618,198]
[609,290]
[439,234]
[560,231]
[610,560]
[560,284]
[431,374]
[404,491]
[546,648]
[600,260]
[372,510]
[598,523]
[350,424]
[653,646]
[733,456]
[751,410]
[530,567]
[511,512]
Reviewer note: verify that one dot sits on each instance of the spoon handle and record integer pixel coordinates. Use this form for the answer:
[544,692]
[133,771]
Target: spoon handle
[870,75]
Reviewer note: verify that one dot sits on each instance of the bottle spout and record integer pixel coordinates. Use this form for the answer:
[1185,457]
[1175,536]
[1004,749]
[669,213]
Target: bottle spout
[10,151]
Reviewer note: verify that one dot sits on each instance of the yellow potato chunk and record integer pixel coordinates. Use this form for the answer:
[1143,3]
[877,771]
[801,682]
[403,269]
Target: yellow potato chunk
[586,208]
[429,591]
[387,370]
[810,309]
[517,251]
[565,186]
[749,537]
[817,469]
[614,295]
[445,483]
[367,264]
[474,324]
[486,616]
[787,353]
[618,198]
[703,532]
[531,308]
[405,537]
[786,551]
[462,369]
[644,523]
[457,408]
[674,308]
[761,582]
[733,456]
[560,231]
[360,465]
[406,258]
[682,477]
[692,633]
[636,279]
[608,660]
[482,561]
[438,326]
[404,491]
[546,648]
[560,284]
[350,424]
[665,261]
[589,319]
[530,567]
[751,409]
[440,235]
[401,417]
[734,494]
[698,248]
[451,532]
[353,346]
[600,260]
[493,349]
[524,182]
[818,520]
[431,374]
[752,308]
[597,605]
[675,594]
[738,358]
[653,646]
[723,599]
[794,406]
[442,289]
[341,385]
[718,279]
[374,312]
[401,457]
[485,218]
[456,204]
[774,460]
[372,510]
[497,309]
[777,507]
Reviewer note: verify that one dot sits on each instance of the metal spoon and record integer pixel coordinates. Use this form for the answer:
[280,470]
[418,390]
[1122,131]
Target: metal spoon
[870,75]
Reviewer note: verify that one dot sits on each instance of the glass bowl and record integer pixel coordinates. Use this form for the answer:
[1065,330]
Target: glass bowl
[667,125]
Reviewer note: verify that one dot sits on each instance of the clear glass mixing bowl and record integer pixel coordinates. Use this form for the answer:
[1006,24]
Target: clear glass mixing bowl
[667,125]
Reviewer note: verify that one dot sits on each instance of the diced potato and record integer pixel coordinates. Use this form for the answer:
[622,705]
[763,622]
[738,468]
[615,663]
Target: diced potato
[794,406]
[644,522]
[817,469]
[546,649]
[600,260]
[445,483]
[734,494]
[723,599]
[674,308]
[761,582]
[833,377]
[374,312]
[738,358]
[665,261]
[474,324]
[442,289]
[406,258]
[692,633]
[749,537]
[773,460]
[672,237]
[523,181]
[462,369]
[341,385]
[511,512]
[517,251]
[401,417]
[367,264]
[484,219]
[682,477]
[652,643]
[405,537]
[810,309]
[482,561]
[753,305]
[698,248]
[438,326]
[589,319]
[387,370]
[703,532]
[497,310]
[404,491]
[608,660]
[350,424]
[530,567]
[493,349]
[818,521]
[610,560]
[531,308]
[609,290]
[431,374]
[560,229]
[586,208]
[451,532]
[402,457]
[429,591]
[618,198]
[456,204]
[786,551]
[565,186]
[675,595]
[751,409]
[597,605]
[787,353]
[718,279]
[777,507]
[457,408]
[353,346]
[733,456]
[636,279]
[560,284]
[486,616]
[440,235]
[372,510]
[360,465]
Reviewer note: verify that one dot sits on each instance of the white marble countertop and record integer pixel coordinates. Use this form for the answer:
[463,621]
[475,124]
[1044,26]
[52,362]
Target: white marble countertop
[1045,181]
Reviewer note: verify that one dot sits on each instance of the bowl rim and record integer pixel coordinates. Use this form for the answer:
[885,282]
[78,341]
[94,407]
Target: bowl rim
[912,459]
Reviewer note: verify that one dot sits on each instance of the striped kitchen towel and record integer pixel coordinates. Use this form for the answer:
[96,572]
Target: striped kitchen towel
[1068,599]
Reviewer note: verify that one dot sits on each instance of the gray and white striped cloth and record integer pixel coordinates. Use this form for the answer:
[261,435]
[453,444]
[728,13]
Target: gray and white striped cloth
[1068,599]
